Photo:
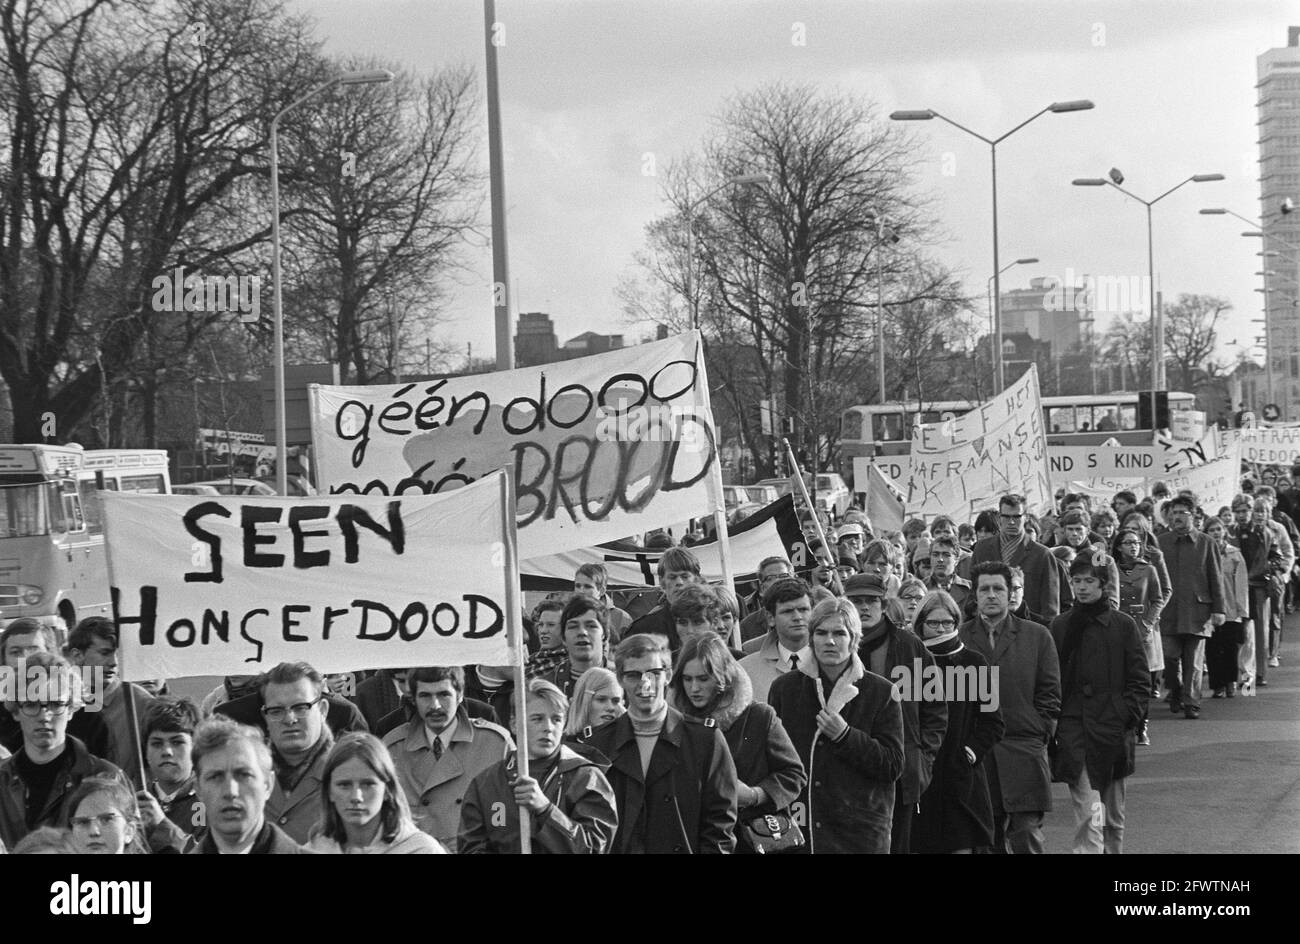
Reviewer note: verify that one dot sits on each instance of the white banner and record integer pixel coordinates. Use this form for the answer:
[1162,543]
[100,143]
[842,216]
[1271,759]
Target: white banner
[1270,445]
[601,447]
[1069,463]
[961,466]
[236,584]
[1214,482]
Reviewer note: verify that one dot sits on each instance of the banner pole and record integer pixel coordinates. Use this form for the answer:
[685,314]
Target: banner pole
[797,475]
[132,721]
[513,613]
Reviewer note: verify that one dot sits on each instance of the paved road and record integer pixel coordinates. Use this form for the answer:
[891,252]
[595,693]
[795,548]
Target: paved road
[1227,782]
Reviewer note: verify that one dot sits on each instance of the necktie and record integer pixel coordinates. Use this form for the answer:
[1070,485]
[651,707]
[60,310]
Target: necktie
[993,636]
[437,749]
[794,663]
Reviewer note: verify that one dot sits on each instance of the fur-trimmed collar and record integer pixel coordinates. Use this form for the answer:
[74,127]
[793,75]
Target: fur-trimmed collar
[742,696]
[845,689]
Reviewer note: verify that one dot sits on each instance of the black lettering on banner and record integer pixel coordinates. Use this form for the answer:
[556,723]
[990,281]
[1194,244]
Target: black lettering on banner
[148,618]
[191,522]
[670,484]
[366,607]
[289,619]
[181,634]
[585,487]
[330,613]
[243,631]
[627,453]
[438,610]
[601,397]
[586,409]
[526,489]
[418,609]
[539,409]
[498,618]
[363,430]
[212,623]
[250,516]
[669,397]
[397,411]
[426,419]
[302,558]
[350,516]
[459,403]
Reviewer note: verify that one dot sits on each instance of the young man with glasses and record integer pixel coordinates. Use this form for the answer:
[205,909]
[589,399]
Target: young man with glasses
[673,777]
[1014,548]
[37,782]
[294,708]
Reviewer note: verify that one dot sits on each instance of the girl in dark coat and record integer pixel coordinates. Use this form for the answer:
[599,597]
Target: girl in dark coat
[955,813]
[848,729]
[709,683]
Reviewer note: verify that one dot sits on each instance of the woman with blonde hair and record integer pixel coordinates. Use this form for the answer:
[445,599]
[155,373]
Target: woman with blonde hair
[597,700]
[363,807]
[709,683]
[848,730]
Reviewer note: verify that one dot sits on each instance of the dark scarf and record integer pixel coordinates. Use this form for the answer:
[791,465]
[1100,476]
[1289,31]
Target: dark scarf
[946,647]
[1077,620]
[291,775]
[875,637]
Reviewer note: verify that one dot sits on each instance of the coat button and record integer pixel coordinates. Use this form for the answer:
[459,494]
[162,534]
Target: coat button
[818,825]
[424,802]
[817,783]
[283,820]
[458,799]
[668,799]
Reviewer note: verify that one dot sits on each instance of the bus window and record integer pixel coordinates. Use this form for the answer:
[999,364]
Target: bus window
[91,505]
[21,514]
[1060,419]
[1128,416]
[887,427]
[143,484]
[1107,419]
[72,505]
[1083,419]
[851,427]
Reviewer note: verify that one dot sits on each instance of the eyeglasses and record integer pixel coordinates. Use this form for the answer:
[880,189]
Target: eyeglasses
[1006,517]
[104,820]
[299,711]
[635,677]
[911,598]
[1134,542]
[940,624]
[34,709]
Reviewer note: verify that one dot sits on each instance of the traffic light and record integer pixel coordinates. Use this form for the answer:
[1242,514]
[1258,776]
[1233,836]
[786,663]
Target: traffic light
[1153,409]
[787,426]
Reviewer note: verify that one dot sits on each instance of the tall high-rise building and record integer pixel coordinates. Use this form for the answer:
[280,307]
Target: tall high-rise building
[1278,71]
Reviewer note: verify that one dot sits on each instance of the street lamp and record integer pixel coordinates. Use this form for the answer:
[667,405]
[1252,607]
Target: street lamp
[1009,265]
[1157,321]
[1256,234]
[737,180]
[362,77]
[925,115]
[882,233]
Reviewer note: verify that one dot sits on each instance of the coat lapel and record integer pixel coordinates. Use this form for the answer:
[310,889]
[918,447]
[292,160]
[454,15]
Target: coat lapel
[667,749]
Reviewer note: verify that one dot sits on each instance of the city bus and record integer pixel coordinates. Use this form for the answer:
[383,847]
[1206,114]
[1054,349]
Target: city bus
[883,433]
[52,562]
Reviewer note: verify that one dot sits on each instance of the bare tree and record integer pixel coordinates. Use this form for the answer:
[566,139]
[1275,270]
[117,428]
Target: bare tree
[1191,336]
[128,125]
[383,192]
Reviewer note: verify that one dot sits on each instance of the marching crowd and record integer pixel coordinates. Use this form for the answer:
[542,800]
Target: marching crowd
[788,718]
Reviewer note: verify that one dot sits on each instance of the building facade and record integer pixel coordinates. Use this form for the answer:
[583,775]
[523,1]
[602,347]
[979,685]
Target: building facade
[1278,102]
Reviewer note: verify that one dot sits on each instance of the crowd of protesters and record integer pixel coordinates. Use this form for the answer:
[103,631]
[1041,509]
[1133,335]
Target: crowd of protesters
[795,716]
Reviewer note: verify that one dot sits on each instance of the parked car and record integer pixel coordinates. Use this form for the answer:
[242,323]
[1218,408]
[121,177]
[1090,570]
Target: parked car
[238,487]
[762,494]
[738,503]
[194,489]
[833,494]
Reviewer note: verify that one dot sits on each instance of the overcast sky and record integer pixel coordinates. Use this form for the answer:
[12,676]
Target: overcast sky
[588,88]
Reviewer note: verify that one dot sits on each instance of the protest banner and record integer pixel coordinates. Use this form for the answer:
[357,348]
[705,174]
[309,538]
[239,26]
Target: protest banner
[892,469]
[772,532]
[959,467]
[1270,445]
[236,584]
[1069,463]
[1214,483]
[600,447]
[884,501]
